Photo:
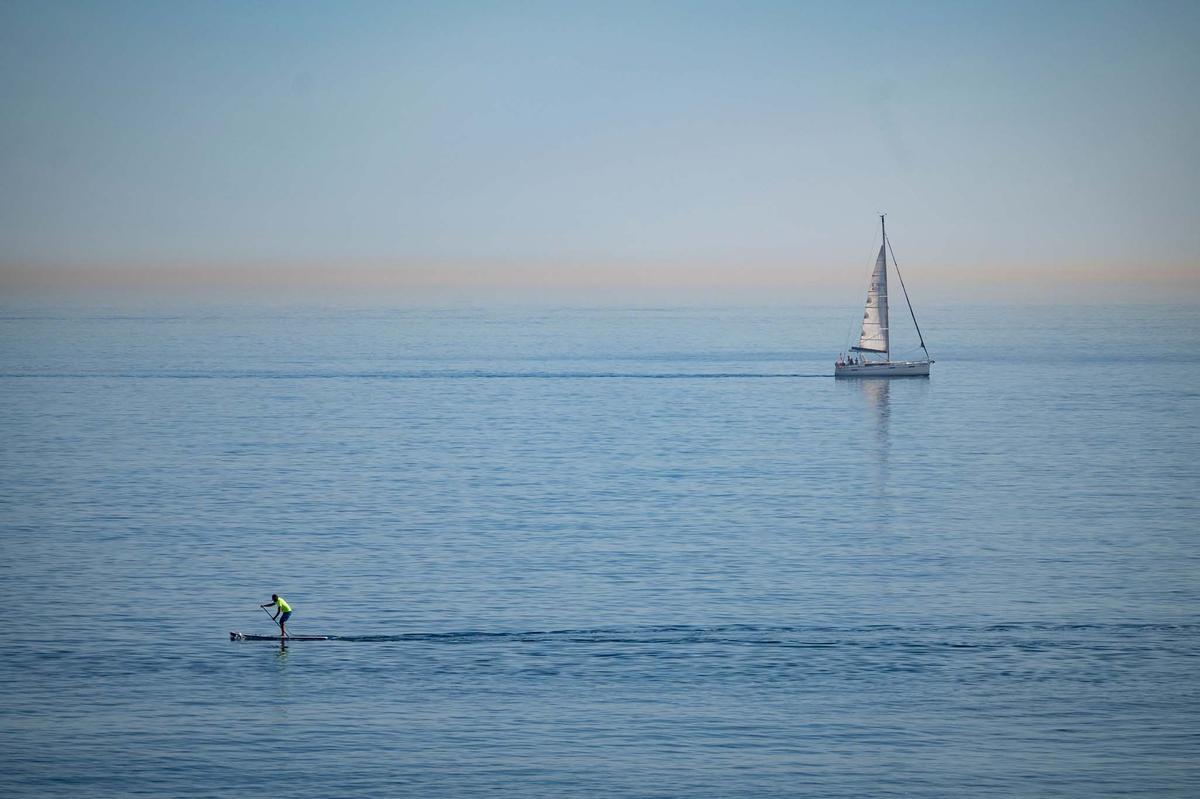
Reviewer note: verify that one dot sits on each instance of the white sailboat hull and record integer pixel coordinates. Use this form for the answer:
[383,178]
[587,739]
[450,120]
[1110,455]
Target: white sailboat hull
[883,369]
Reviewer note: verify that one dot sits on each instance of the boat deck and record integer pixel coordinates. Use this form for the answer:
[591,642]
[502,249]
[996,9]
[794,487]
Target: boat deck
[883,369]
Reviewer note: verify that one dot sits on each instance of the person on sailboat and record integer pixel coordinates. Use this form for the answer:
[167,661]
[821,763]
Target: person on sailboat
[282,612]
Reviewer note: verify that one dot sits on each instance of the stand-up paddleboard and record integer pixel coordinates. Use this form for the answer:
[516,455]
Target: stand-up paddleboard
[236,636]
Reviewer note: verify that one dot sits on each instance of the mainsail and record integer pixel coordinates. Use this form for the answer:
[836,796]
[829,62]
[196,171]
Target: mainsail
[874,336]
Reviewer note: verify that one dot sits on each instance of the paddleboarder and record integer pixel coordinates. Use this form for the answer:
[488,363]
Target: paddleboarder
[282,611]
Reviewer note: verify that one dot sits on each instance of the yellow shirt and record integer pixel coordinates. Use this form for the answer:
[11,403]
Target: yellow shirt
[282,604]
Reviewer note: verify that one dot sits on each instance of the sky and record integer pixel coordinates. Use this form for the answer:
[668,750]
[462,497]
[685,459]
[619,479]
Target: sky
[1027,150]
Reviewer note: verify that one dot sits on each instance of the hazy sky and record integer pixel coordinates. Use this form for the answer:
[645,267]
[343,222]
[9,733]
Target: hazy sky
[1029,144]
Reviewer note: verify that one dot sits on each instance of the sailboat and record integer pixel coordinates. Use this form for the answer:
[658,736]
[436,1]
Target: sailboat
[874,340]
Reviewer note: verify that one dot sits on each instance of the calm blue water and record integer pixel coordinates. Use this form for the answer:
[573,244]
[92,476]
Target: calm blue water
[580,553]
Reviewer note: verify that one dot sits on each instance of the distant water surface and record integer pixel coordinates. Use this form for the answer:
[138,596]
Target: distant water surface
[598,552]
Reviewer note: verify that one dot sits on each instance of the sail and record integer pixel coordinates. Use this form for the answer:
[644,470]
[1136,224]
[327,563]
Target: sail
[874,336]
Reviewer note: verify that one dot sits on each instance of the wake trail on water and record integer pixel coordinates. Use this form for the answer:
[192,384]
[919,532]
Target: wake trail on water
[789,636]
[414,375]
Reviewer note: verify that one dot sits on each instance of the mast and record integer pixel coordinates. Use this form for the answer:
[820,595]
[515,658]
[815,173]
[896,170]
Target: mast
[887,353]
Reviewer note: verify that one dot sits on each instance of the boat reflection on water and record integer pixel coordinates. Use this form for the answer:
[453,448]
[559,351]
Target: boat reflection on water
[883,404]
[877,393]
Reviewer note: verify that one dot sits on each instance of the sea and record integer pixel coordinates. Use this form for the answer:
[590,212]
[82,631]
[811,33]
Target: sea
[597,552]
